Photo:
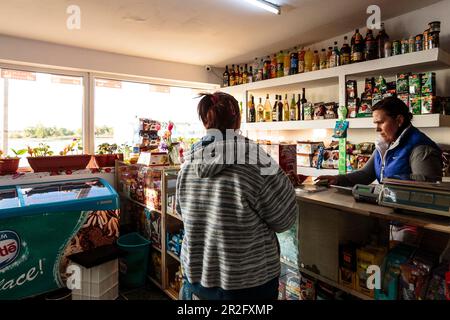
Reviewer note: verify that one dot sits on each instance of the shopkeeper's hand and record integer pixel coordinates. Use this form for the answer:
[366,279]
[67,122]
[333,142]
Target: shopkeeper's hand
[326,180]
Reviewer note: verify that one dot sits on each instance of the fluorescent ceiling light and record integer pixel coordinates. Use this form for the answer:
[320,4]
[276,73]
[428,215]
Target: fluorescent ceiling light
[266,5]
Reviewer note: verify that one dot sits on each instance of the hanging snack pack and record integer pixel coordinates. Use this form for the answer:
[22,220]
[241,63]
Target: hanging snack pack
[340,129]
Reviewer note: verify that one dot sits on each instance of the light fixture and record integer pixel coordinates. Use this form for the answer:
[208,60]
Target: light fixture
[266,5]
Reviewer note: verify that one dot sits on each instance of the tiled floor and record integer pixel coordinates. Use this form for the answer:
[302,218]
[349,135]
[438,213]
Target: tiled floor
[149,292]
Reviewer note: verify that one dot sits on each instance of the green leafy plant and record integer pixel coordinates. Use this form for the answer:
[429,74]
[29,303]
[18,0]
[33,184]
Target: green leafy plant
[42,150]
[19,152]
[124,148]
[106,148]
[75,147]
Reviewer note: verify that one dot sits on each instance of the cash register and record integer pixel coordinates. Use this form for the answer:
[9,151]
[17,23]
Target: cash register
[425,197]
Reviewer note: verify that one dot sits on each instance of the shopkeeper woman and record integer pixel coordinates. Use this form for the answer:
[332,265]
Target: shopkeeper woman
[402,151]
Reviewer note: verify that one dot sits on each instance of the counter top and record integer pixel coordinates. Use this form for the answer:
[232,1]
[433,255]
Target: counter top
[332,199]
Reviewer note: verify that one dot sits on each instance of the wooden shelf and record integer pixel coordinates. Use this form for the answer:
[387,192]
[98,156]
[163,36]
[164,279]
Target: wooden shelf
[156,248]
[173,255]
[174,216]
[172,294]
[421,61]
[335,284]
[156,283]
[138,203]
[419,121]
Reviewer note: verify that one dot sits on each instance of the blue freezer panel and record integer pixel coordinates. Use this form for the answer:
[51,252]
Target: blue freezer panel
[9,199]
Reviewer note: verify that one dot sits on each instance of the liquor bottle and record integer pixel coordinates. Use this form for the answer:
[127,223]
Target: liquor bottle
[267,68]
[240,77]
[294,62]
[286,63]
[293,110]
[345,53]
[323,60]
[232,76]
[245,75]
[370,46]
[357,51]
[335,59]
[275,109]
[250,75]
[316,61]
[260,111]
[251,110]
[286,109]
[382,38]
[260,73]
[299,107]
[267,110]
[304,102]
[273,67]
[329,54]
[255,67]
[237,76]
[301,61]
[280,108]
[226,77]
[280,64]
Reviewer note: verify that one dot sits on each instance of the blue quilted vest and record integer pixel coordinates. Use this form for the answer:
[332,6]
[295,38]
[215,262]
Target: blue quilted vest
[396,162]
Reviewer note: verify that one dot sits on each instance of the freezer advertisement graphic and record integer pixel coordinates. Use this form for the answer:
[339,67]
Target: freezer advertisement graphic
[32,252]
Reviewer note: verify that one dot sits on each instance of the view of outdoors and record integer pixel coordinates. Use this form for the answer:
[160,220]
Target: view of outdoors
[46,108]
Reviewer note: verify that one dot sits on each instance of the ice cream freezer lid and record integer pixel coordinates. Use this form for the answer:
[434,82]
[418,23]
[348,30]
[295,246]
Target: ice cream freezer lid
[63,191]
[74,195]
[9,198]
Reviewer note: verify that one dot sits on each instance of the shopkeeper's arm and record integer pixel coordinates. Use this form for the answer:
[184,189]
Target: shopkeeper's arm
[426,164]
[365,175]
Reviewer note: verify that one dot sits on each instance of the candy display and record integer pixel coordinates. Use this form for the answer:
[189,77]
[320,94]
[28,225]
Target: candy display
[414,276]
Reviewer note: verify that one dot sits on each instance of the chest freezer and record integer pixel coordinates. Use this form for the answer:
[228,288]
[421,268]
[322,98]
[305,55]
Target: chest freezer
[38,225]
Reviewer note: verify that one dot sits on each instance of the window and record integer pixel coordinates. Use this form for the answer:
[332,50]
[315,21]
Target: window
[39,108]
[120,104]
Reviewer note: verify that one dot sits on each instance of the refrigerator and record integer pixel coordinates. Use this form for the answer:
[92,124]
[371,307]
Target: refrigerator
[41,224]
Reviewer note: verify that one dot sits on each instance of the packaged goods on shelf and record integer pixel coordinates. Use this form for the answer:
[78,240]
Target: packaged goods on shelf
[402,83]
[319,111]
[285,155]
[352,162]
[415,276]
[174,242]
[362,159]
[365,108]
[331,110]
[154,221]
[415,104]
[405,98]
[428,104]
[352,106]
[351,89]
[288,241]
[308,111]
[291,280]
[415,83]
[347,265]
[307,287]
[331,159]
[306,147]
[439,283]
[390,271]
[428,82]
[367,256]
[380,86]
[304,160]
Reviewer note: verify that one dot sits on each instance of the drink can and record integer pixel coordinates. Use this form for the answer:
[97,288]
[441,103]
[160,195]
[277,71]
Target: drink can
[435,26]
[433,40]
[425,39]
[419,42]
[405,46]
[396,48]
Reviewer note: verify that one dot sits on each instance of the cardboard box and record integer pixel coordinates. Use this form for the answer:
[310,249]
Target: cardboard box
[366,257]
[285,155]
[307,147]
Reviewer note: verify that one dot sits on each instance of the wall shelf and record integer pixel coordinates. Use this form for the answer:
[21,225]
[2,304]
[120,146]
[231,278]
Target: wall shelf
[420,121]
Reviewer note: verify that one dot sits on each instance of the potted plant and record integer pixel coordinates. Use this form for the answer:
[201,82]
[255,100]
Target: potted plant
[107,154]
[41,158]
[9,165]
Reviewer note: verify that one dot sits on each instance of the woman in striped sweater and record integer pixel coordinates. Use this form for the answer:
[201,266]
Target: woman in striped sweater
[233,199]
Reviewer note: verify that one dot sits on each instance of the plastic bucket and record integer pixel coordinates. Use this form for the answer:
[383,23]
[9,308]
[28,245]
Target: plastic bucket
[133,266]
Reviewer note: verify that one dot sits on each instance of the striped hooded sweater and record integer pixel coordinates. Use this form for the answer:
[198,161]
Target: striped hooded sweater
[231,213]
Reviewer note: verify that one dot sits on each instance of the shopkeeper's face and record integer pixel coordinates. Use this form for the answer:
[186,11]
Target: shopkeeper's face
[387,126]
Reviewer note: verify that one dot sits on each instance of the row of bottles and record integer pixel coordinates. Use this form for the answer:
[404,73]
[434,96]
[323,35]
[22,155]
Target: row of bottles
[299,61]
[280,110]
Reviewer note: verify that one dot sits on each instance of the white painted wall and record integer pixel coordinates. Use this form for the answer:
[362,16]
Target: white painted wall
[44,54]
[403,26]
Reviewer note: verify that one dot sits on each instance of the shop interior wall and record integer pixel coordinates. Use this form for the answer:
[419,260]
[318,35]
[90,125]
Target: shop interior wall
[403,26]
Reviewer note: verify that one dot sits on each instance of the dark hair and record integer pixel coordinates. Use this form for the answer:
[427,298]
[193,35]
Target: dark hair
[219,111]
[393,107]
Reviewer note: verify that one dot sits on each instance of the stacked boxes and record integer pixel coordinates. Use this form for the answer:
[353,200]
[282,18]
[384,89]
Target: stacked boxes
[366,257]
[418,91]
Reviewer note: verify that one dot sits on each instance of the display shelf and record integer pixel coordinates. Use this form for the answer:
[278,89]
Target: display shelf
[155,282]
[173,255]
[172,294]
[138,203]
[419,121]
[313,172]
[174,216]
[421,61]
[335,284]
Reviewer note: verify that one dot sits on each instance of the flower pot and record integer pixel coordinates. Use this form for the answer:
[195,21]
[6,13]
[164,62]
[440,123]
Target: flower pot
[9,165]
[59,163]
[107,160]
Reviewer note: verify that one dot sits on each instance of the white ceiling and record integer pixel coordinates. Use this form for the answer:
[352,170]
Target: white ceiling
[215,32]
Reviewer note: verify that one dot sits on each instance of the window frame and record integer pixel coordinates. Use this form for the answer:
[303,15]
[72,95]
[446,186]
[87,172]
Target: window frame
[88,107]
